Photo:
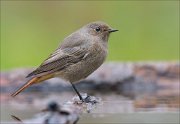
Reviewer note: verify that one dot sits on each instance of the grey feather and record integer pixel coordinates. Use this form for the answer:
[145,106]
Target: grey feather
[62,57]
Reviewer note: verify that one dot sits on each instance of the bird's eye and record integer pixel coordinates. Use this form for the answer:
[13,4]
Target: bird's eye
[97,29]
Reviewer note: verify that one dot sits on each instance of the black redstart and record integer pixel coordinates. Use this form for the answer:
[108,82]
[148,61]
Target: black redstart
[80,54]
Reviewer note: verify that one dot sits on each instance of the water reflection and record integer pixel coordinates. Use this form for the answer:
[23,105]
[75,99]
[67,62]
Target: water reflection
[114,108]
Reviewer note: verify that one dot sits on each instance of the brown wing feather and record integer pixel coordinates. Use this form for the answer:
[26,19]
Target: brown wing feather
[71,51]
[59,61]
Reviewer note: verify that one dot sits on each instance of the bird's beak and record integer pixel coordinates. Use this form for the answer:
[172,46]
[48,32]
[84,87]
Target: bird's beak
[112,30]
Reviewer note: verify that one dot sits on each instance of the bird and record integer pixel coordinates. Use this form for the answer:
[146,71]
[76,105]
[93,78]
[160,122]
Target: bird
[79,55]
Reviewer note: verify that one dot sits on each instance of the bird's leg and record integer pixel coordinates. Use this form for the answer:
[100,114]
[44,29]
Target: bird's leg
[80,97]
[86,100]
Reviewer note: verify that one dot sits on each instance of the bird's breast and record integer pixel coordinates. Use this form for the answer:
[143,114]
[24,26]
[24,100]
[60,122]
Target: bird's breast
[93,59]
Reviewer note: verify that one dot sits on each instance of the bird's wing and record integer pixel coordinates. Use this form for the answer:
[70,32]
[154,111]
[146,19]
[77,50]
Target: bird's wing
[61,58]
[57,61]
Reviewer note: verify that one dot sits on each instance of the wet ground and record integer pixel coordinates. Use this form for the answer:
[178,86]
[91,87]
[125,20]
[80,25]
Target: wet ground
[114,108]
[151,90]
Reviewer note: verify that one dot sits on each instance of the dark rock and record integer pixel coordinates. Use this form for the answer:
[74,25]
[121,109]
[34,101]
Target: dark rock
[159,79]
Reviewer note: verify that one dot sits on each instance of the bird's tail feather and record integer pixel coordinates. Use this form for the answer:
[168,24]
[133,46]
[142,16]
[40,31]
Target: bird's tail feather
[30,82]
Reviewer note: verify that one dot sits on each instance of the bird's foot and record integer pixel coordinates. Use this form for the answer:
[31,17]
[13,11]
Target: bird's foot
[88,99]
[84,98]
[89,102]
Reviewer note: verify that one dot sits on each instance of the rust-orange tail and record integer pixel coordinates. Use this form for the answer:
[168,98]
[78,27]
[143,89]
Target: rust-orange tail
[32,81]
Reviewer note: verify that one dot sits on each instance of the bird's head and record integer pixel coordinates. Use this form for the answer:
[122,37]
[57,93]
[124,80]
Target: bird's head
[99,29]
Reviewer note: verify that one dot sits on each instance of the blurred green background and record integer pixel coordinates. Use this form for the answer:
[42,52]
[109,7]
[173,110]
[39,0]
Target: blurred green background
[31,30]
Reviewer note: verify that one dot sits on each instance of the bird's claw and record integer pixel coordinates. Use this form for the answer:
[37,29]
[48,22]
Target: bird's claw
[88,100]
